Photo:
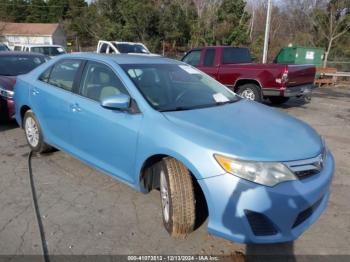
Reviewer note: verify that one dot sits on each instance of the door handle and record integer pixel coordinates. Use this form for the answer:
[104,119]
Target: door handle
[75,108]
[35,92]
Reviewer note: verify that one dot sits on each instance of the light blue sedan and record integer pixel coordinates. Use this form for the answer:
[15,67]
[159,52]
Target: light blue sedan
[156,123]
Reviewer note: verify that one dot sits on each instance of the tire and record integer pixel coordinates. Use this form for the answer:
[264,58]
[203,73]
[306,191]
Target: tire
[179,218]
[34,133]
[250,92]
[278,100]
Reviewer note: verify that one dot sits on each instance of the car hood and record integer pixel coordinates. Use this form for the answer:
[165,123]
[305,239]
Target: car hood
[248,130]
[7,82]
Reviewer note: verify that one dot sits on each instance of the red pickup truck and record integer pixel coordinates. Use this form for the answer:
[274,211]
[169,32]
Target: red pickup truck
[233,67]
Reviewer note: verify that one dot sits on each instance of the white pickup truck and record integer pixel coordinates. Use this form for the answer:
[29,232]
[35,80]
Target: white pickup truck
[115,47]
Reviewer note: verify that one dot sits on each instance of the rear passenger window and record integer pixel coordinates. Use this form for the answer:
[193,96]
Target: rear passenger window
[236,55]
[63,74]
[99,81]
[192,58]
[45,76]
[103,48]
[209,57]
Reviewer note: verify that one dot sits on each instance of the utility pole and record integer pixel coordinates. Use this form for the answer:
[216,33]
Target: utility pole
[267,31]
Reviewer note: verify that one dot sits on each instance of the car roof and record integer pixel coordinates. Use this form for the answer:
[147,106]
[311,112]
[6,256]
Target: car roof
[123,58]
[18,53]
[129,43]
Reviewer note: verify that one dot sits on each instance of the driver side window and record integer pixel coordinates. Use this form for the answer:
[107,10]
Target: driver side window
[193,58]
[99,81]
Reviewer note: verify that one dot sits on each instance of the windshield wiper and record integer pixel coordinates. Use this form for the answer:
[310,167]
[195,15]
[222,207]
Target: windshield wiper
[226,102]
[179,108]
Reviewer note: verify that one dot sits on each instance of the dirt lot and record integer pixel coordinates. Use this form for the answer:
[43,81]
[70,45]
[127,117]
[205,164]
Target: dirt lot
[86,212]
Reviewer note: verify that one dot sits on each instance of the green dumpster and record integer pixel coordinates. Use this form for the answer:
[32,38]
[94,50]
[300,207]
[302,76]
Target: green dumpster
[300,55]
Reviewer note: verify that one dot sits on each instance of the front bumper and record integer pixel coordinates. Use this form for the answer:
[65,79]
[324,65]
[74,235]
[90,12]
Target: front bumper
[246,212]
[295,91]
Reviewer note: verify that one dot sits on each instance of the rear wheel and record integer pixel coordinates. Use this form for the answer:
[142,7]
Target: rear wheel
[177,197]
[34,134]
[278,100]
[250,92]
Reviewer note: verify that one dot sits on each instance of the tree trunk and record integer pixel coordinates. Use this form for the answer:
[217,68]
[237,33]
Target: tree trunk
[327,52]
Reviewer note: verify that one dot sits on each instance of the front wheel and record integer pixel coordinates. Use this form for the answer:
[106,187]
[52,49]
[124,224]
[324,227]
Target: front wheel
[250,92]
[177,197]
[34,134]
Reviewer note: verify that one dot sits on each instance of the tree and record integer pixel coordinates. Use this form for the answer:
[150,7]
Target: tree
[173,24]
[57,10]
[141,20]
[37,12]
[233,23]
[332,23]
[14,10]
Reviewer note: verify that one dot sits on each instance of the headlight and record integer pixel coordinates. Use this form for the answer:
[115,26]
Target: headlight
[6,93]
[264,173]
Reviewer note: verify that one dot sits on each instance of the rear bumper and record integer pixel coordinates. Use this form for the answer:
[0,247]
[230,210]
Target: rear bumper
[246,212]
[295,91]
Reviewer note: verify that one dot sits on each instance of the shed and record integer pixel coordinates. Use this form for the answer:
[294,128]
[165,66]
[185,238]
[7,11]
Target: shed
[32,33]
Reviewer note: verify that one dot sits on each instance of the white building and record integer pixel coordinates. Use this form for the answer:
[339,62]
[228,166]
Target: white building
[31,33]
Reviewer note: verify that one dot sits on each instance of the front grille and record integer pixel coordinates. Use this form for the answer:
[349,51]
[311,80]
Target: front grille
[308,167]
[260,224]
[306,213]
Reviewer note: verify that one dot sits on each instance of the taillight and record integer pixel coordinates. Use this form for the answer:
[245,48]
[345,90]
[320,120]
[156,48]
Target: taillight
[283,79]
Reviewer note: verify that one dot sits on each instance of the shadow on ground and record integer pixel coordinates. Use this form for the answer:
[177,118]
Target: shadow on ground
[271,252]
[8,125]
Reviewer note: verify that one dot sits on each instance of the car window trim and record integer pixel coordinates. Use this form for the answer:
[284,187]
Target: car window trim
[50,69]
[58,62]
[78,93]
[191,51]
[114,71]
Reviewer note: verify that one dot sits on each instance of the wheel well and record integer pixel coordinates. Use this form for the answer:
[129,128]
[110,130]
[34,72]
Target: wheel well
[149,179]
[244,82]
[24,109]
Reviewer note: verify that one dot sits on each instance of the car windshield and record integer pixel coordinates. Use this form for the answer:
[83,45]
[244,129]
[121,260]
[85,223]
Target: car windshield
[49,50]
[18,65]
[176,87]
[131,48]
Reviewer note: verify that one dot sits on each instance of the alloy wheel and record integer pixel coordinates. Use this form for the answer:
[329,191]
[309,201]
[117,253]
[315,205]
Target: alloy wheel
[32,132]
[248,94]
[164,194]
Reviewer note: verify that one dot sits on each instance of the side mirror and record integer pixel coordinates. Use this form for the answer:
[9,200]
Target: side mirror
[117,102]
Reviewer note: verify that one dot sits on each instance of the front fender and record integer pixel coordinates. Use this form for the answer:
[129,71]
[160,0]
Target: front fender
[163,140]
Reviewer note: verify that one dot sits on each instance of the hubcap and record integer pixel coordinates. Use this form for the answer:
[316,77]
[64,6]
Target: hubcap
[164,194]
[32,131]
[248,94]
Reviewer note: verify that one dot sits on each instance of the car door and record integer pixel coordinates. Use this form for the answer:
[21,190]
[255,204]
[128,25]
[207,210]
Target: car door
[51,98]
[103,137]
[209,65]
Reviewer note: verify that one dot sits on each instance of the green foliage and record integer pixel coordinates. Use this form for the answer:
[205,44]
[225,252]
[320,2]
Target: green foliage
[169,24]
[232,23]
[37,12]
[14,10]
